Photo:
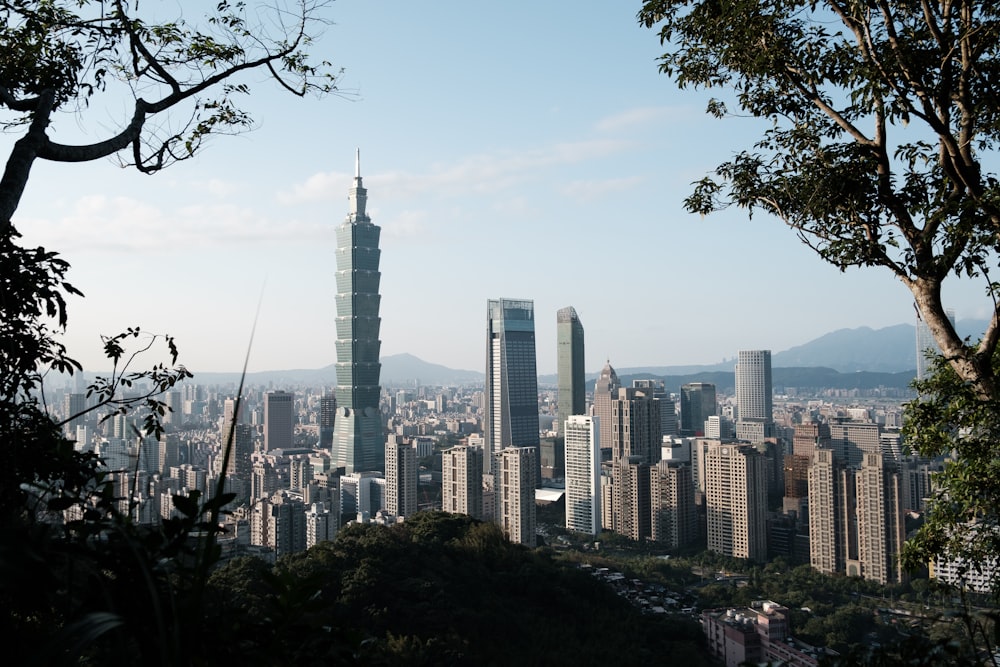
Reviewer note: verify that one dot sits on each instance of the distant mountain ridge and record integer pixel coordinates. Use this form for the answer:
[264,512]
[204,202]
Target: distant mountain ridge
[861,355]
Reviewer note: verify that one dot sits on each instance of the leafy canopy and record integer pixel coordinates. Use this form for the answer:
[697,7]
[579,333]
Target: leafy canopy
[880,115]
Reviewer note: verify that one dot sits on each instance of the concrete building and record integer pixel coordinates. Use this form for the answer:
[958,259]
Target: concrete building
[635,425]
[880,521]
[826,513]
[402,473]
[572,398]
[462,480]
[736,501]
[605,389]
[358,441]
[754,395]
[671,492]
[851,440]
[515,471]
[632,510]
[511,395]
[583,474]
[321,524]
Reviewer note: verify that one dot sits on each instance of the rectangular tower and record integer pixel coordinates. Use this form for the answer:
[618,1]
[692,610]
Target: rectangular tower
[736,501]
[515,493]
[698,403]
[462,481]
[511,405]
[279,420]
[754,395]
[583,474]
[402,473]
[358,443]
[569,365]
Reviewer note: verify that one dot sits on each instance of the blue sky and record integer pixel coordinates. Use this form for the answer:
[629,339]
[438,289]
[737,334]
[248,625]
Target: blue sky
[521,150]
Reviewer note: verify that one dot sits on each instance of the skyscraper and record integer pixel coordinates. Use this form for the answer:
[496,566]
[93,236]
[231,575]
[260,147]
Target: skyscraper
[754,395]
[569,365]
[279,410]
[357,434]
[698,403]
[605,389]
[583,474]
[327,419]
[511,405]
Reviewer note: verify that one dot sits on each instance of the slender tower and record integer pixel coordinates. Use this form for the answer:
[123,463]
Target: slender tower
[357,434]
[569,359]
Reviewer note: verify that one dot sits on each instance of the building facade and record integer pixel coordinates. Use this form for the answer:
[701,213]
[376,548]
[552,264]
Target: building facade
[511,393]
[572,398]
[736,501]
[515,481]
[462,481]
[279,420]
[698,403]
[402,474]
[582,436]
[358,443]
[754,395]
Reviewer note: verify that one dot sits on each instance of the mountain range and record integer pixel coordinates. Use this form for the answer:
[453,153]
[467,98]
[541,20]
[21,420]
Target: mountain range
[842,358]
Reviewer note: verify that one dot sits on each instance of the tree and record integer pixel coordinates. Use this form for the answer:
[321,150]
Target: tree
[880,114]
[61,56]
[883,118]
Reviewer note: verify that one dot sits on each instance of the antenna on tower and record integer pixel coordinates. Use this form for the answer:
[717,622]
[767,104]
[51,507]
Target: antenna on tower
[357,163]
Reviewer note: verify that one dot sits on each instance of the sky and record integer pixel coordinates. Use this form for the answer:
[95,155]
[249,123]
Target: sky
[522,150]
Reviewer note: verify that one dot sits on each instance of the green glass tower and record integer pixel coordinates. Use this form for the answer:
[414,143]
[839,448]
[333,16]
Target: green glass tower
[569,366]
[358,443]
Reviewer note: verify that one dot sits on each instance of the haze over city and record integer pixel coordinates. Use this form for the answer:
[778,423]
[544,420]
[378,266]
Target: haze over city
[531,153]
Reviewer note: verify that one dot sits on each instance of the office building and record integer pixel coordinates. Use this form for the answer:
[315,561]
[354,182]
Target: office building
[572,399]
[698,403]
[279,420]
[462,481]
[736,501]
[754,395]
[605,389]
[358,442]
[515,484]
[583,474]
[327,419]
[511,394]
[402,473]
[851,440]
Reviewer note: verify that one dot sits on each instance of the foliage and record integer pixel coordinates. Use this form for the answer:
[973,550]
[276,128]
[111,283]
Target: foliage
[948,419]
[71,56]
[880,120]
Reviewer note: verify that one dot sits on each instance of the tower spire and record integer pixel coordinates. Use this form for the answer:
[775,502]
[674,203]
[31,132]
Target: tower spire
[357,195]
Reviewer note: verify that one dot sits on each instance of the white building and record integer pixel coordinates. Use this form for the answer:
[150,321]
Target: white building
[583,474]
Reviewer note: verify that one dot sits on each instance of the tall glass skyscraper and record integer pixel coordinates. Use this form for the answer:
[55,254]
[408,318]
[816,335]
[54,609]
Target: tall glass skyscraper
[511,418]
[358,443]
[698,403]
[569,366]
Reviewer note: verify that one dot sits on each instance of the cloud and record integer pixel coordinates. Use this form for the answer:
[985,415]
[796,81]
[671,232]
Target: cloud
[324,186]
[640,117]
[124,224]
[595,189]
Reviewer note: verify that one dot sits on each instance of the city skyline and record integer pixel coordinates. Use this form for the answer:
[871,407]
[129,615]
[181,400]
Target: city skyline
[572,170]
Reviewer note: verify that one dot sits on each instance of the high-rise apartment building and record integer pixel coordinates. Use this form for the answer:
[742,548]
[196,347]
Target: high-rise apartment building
[635,425]
[358,443]
[736,501]
[671,492]
[880,521]
[698,403]
[511,406]
[667,409]
[632,509]
[515,471]
[826,513]
[605,389]
[851,440]
[462,481]
[402,473]
[583,474]
[572,399]
[279,420]
[754,395]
